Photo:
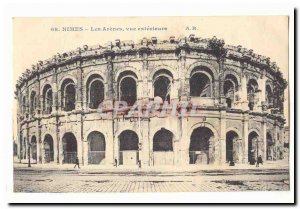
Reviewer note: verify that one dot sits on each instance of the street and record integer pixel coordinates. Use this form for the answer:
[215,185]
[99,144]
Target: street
[95,180]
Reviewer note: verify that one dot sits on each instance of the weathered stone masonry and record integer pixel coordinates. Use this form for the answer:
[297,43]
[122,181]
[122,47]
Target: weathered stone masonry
[240,95]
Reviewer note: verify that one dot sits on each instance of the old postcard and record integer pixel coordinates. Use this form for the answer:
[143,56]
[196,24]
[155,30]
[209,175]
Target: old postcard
[151,104]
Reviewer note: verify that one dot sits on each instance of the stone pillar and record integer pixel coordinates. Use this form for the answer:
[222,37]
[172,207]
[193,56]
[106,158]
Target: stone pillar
[244,97]
[43,153]
[183,78]
[116,149]
[245,137]
[145,152]
[222,159]
[109,152]
[85,145]
[184,142]
[221,82]
[79,87]
[56,93]
[39,144]
[264,138]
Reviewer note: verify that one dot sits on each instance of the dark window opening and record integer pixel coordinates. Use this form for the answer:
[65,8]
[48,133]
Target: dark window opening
[33,148]
[252,147]
[129,141]
[33,102]
[163,141]
[48,100]
[96,147]
[199,146]
[69,148]
[48,147]
[200,85]
[95,91]
[68,95]
[162,88]
[231,155]
[128,90]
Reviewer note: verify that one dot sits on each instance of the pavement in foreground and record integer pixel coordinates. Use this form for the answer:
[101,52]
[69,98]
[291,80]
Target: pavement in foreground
[82,180]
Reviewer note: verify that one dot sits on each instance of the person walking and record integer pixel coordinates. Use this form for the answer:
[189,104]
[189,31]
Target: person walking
[77,163]
[259,161]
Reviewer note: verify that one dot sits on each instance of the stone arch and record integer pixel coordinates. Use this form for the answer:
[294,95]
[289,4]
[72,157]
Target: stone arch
[121,70]
[232,146]
[70,148]
[230,71]
[127,87]
[97,147]
[33,101]
[48,148]
[128,147]
[201,148]
[68,94]
[65,77]
[199,64]
[170,69]
[269,146]
[163,147]
[201,83]
[47,98]
[33,143]
[253,146]
[204,124]
[95,91]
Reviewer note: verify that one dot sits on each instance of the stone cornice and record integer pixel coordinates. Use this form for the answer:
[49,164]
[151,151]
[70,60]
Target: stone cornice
[212,46]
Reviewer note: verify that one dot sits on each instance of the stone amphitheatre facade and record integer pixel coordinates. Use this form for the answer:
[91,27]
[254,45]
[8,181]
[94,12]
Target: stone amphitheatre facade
[238,94]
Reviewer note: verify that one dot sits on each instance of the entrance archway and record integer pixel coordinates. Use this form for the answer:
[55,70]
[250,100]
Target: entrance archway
[253,147]
[69,143]
[200,151]
[33,148]
[96,153]
[128,146]
[48,147]
[231,146]
[163,148]
[270,147]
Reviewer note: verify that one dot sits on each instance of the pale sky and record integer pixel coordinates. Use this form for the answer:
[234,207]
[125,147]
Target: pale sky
[33,39]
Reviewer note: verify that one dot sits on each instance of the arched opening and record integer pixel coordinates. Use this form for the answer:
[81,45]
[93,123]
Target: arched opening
[48,147]
[232,146]
[96,142]
[269,97]
[95,90]
[200,85]
[252,90]
[47,99]
[128,146]
[128,90]
[230,89]
[163,147]
[68,95]
[162,88]
[33,102]
[24,105]
[270,147]
[253,147]
[69,148]
[200,151]
[33,148]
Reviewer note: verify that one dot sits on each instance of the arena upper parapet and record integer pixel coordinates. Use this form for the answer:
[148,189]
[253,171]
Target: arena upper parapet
[210,45]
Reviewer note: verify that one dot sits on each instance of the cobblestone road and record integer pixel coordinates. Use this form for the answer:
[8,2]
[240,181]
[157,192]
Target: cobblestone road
[34,180]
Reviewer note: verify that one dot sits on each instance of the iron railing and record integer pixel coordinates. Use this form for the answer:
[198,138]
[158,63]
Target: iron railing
[70,157]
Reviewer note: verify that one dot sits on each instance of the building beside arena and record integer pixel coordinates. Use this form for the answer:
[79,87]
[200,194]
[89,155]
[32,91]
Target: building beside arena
[238,96]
